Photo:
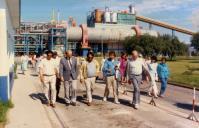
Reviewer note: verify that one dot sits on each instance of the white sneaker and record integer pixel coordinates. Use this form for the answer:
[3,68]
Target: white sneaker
[67,101]
[136,106]
[149,94]
[117,102]
[104,99]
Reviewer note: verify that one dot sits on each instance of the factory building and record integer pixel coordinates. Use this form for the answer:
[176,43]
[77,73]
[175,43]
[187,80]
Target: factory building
[105,30]
[9,21]
[110,19]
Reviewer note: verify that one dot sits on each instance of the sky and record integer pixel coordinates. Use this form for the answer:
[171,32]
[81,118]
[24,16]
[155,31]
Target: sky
[184,13]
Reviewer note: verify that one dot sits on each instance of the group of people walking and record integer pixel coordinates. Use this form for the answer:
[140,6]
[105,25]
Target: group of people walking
[69,70]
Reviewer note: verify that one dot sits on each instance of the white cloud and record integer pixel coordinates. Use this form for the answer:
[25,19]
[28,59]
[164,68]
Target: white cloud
[150,6]
[162,5]
[195,19]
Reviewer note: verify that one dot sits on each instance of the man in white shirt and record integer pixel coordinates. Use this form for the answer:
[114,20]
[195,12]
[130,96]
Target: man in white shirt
[48,72]
[134,73]
[58,79]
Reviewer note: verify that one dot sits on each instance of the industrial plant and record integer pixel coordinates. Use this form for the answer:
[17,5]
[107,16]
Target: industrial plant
[105,30]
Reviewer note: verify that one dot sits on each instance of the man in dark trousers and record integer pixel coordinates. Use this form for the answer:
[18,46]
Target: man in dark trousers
[58,80]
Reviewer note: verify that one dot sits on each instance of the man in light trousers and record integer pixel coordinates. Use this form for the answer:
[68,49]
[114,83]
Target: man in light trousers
[89,70]
[109,69]
[48,72]
[134,73]
[68,73]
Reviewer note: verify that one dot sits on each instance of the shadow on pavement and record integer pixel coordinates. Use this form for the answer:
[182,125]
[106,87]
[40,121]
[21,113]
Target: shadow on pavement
[143,93]
[96,97]
[60,100]
[187,106]
[34,75]
[20,73]
[39,96]
[42,98]
[100,81]
[125,102]
[81,99]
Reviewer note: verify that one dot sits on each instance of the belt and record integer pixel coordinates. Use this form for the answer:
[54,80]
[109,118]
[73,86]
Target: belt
[136,74]
[110,75]
[49,75]
[91,76]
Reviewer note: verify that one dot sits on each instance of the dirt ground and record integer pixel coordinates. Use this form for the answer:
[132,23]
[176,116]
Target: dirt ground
[1,125]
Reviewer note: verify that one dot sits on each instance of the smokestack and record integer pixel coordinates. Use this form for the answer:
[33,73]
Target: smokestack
[58,17]
[132,9]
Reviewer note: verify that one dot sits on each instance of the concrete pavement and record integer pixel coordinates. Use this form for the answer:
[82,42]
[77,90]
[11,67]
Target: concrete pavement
[29,112]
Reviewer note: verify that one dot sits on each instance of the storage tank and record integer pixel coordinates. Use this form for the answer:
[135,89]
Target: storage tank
[98,16]
[114,17]
[107,34]
[107,17]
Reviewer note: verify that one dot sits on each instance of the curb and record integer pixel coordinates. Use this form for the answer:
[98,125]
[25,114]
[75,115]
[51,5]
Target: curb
[181,85]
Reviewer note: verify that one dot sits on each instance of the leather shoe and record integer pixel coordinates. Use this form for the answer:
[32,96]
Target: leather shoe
[74,104]
[89,103]
[53,105]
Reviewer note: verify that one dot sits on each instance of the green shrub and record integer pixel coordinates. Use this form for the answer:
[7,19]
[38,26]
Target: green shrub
[15,71]
[3,109]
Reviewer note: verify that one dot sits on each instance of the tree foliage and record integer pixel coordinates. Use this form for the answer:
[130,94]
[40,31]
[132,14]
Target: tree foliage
[195,41]
[150,45]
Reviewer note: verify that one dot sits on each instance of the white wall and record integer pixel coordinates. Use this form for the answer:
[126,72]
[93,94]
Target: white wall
[10,33]
[6,48]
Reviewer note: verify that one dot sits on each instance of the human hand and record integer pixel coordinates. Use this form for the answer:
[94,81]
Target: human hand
[110,71]
[42,79]
[81,80]
[62,79]
[129,82]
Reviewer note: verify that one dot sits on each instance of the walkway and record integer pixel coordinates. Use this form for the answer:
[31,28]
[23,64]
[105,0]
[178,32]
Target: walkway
[29,112]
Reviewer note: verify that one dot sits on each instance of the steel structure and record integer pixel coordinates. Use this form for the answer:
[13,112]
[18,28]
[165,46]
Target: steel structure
[105,29]
[164,25]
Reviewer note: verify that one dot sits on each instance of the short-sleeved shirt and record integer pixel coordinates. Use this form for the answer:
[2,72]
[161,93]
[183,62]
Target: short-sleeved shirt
[91,69]
[136,67]
[48,66]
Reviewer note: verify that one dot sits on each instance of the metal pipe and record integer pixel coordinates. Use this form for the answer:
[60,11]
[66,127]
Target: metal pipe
[105,34]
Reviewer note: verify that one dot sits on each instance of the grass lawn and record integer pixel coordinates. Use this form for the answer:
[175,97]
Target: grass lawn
[3,111]
[185,72]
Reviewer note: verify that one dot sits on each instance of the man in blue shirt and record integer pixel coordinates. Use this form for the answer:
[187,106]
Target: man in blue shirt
[109,73]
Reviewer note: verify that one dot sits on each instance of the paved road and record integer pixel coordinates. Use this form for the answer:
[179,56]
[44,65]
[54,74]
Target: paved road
[112,116]
[177,98]
[170,113]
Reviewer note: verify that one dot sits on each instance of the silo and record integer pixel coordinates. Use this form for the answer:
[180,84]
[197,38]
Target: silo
[98,16]
[132,9]
[107,17]
[114,17]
